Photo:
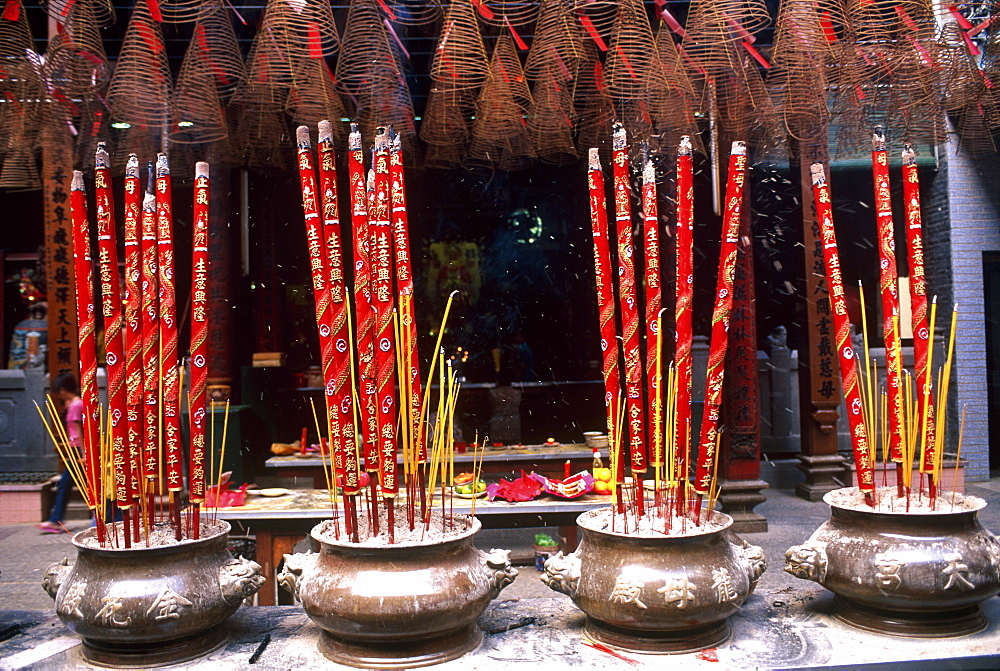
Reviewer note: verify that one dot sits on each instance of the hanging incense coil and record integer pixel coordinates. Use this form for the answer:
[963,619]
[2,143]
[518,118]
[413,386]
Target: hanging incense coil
[413,12]
[15,40]
[302,28]
[444,157]
[180,11]
[745,108]
[594,106]
[891,23]
[140,90]
[599,14]
[674,115]
[715,27]
[460,60]
[315,96]
[196,111]
[94,126]
[976,125]
[389,106]
[216,39]
[269,74]
[75,61]
[505,98]
[445,120]
[261,137]
[507,12]
[633,67]
[558,41]
[551,120]
[59,10]
[20,170]
[367,61]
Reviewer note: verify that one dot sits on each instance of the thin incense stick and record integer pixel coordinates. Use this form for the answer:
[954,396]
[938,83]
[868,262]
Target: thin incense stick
[684,282]
[197,394]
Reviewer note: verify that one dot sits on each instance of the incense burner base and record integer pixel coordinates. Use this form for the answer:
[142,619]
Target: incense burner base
[667,642]
[144,656]
[916,624]
[918,574]
[409,655]
[654,593]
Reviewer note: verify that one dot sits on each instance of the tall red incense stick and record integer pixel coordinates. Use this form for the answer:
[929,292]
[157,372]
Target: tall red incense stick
[404,287]
[605,300]
[133,330]
[169,372]
[343,396]
[651,247]
[634,406]
[682,311]
[365,321]
[88,350]
[918,306]
[719,343]
[150,351]
[111,308]
[381,259]
[842,325]
[197,405]
[889,291]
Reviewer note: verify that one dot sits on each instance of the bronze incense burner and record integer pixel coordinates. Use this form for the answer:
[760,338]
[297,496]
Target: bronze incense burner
[909,574]
[404,605]
[151,606]
[657,594]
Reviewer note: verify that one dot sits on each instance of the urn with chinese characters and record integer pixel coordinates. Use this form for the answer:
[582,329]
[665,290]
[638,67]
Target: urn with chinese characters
[149,606]
[906,573]
[407,604]
[657,593]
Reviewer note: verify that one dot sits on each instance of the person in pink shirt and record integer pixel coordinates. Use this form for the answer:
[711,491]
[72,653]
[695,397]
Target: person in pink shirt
[65,388]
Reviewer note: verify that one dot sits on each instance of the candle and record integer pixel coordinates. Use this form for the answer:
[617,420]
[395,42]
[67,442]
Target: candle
[684,279]
[605,298]
[133,324]
[841,324]
[715,373]
[365,319]
[169,374]
[150,342]
[111,308]
[651,246]
[197,409]
[381,260]
[918,302]
[404,287]
[341,414]
[889,290]
[634,408]
[88,345]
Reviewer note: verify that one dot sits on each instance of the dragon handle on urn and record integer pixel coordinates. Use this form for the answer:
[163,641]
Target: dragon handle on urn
[562,573]
[290,575]
[55,574]
[807,561]
[501,572]
[240,578]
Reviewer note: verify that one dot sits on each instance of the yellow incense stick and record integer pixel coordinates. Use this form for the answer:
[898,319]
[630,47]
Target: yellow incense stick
[926,390]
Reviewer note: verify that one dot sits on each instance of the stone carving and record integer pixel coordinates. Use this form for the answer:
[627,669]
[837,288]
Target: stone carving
[807,561]
[167,605]
[502,573]
[887,572]
[240,578]
[627,591]
[562,573]
[55,574]
[678,590]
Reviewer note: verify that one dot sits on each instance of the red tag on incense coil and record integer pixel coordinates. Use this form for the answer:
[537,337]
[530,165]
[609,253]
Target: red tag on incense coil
[961,20]
[66,10]
[484,10]
[756,54]
[387,9]
[567,75]
[151,39]
[521,44]
[588,25]
[673,23]
[599,76]
[980,27]
[395,37]
[12,10]
[625,61]
[973,49]
[315,41]
[827,24]
[154,10]
[907,19]
[739,29]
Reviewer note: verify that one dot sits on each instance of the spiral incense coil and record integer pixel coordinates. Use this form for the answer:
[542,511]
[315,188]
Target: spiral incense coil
[446,117]
[302,28]
[460,60]
[976,124]
[507,13]
[413,12]
[58,10]
[715,27]
[94,126]
[366,61]
[75,61]
[315,96]
[633,68]
[268,75]
[390,106]
[504,99]
[15,38]
[558,41]
[551,120]
[140,90]
[745,109]
[215,37]
[891,23]
[262,136]
[597,15]
[197,114]
[444,157]
[180,11]
[19,171]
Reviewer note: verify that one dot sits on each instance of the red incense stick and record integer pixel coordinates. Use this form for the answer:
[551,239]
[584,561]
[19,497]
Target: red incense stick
[88,349]
[133,330]
[634,406]
[651,246]
[605,299]
[719,343]
[889,291]
[197,400]
[918,305]
[682,310]
[111,307]
[841,323]
[150,349]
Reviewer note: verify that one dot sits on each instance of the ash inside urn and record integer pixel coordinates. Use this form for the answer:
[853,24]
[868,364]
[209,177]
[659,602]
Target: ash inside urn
[607,520]
[441,528]
[919,503]
[160,535]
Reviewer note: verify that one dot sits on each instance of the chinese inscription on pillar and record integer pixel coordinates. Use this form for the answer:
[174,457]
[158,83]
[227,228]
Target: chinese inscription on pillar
[63,352]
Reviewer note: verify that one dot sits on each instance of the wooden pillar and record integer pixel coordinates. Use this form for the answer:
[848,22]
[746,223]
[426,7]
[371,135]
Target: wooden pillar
[739,466]
[221,292]
[819,383]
